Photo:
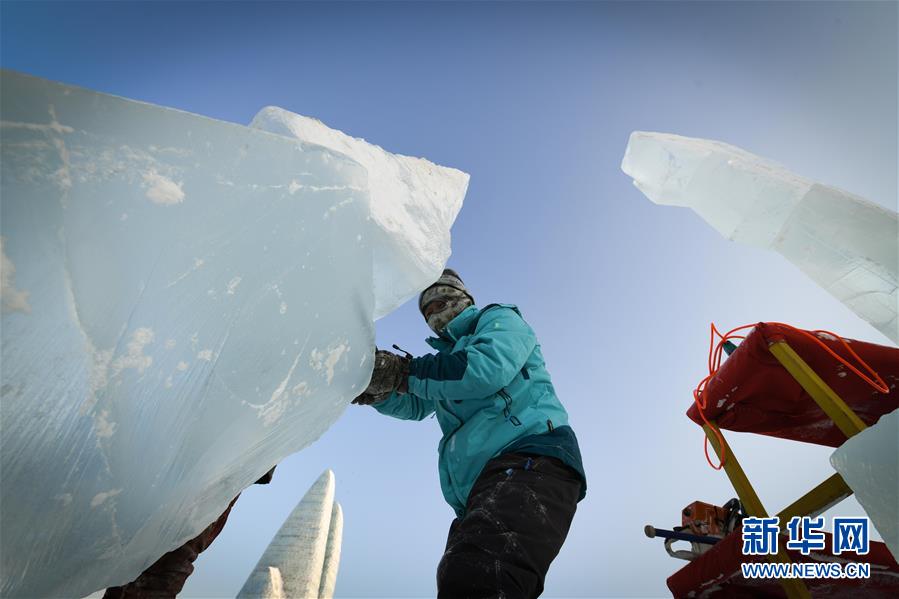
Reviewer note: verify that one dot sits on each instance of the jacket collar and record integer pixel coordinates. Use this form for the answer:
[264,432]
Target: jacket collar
[456,328]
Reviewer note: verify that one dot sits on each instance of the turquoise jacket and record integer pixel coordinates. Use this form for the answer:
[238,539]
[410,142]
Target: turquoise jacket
[489,388]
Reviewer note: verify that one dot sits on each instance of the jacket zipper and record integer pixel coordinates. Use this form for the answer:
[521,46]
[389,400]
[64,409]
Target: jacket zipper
[507,410]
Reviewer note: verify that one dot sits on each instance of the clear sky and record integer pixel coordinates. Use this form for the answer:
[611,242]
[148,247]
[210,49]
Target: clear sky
[536,102]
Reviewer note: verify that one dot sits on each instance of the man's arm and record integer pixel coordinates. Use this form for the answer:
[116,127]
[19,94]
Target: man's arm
[496,352]
[405,406]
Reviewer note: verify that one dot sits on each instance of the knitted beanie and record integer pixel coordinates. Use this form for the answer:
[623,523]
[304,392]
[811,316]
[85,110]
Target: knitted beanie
[449,278]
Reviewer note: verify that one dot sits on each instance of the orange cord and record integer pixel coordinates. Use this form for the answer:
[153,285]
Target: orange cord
[716,354]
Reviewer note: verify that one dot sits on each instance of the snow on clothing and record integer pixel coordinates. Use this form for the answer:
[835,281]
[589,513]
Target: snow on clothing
[491,392]
[516,519]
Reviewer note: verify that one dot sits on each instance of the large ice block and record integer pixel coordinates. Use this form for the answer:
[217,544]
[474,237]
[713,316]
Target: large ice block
[846,244]
[413,205]
[869,463]
[185,302]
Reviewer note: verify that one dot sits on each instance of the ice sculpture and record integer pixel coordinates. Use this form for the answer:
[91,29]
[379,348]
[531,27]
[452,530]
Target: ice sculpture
[303,558]
[847,245]
[869,463]
[185,302]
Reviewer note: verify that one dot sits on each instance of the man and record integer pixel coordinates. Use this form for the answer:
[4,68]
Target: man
[509,463]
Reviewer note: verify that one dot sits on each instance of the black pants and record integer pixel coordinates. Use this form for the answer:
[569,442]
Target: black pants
[516,520]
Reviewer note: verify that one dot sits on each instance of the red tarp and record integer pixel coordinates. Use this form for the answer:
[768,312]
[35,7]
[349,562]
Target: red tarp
[752,392]
[717,573]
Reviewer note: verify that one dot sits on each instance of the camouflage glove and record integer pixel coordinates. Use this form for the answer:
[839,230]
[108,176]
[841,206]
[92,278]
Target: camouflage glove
[390,374]
[366,399]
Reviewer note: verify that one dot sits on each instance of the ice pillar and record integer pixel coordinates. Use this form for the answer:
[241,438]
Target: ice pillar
[332,553]
[846,244]
[303,558]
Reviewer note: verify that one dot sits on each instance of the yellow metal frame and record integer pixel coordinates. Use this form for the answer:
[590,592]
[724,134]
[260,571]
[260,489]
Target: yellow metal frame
[752,505]
[828,493]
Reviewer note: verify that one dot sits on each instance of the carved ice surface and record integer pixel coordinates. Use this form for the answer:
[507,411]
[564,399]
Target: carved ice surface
[869,463]
[846,244]
[185,302]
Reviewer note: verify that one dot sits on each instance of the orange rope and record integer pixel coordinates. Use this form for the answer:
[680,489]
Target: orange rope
[716,354]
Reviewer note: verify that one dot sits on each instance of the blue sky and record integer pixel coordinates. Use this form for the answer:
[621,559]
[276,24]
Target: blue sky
[536,102]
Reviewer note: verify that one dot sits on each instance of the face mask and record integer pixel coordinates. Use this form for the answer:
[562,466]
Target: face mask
[438,320]
[454,301]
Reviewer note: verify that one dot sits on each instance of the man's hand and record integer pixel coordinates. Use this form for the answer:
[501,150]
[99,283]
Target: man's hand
[390,374]
[366,399]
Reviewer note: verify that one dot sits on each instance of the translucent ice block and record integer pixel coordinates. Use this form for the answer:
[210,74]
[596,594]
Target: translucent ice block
[185,302]
[413,204]
[869,463]
[847,245]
